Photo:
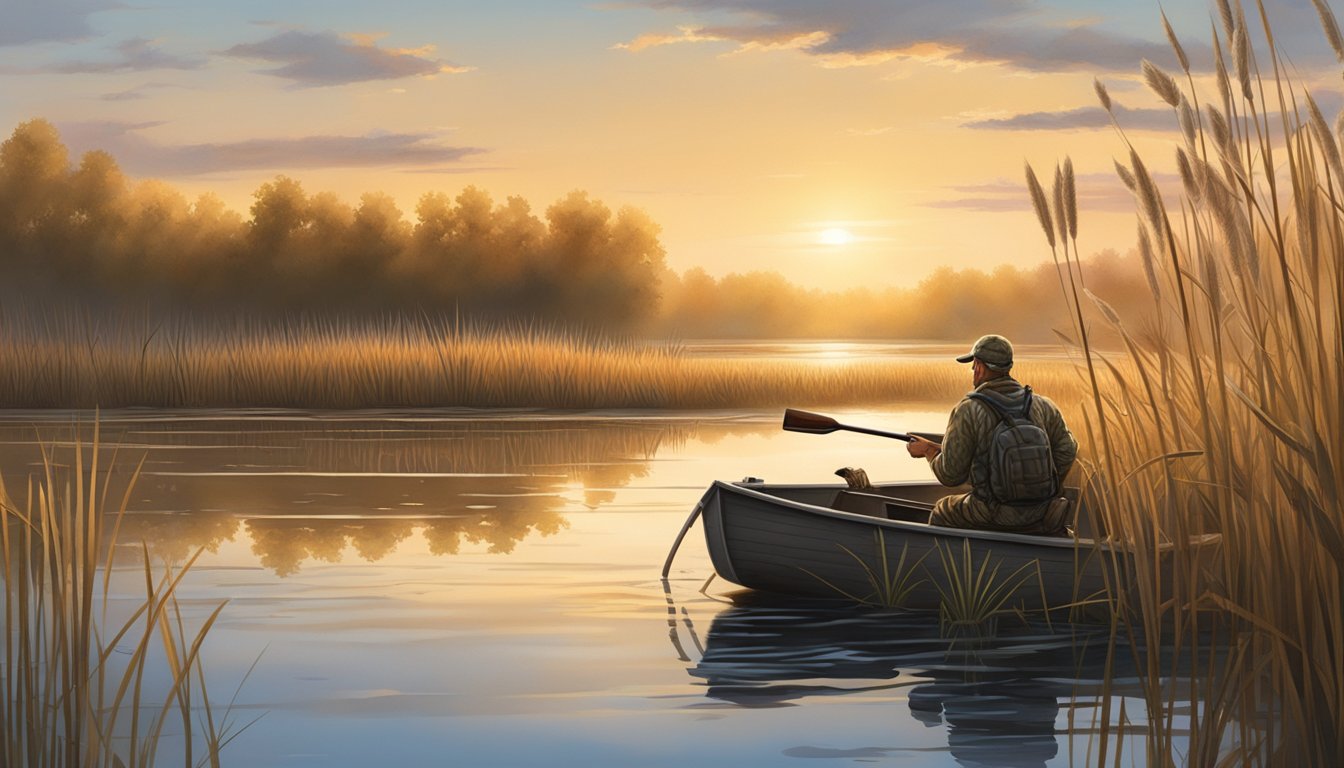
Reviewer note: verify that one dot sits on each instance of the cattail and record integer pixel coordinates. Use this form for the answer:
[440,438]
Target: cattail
[1241,59]
[1107,310]
[1331,27]
[1061,212]
[1186,114]
[1161,83]
[1124,174]
[1325,139]
[1070,198]
[1176,44]
[1102,94]
[1042,208]
[1193,188]
[1149,263]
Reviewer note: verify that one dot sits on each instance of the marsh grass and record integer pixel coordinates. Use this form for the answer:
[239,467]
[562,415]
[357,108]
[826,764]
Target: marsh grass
[970,597]
[66,360]
[1229,417]
[891,584]
[79,687]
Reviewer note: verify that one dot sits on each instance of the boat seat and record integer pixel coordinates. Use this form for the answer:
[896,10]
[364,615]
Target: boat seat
[878,505]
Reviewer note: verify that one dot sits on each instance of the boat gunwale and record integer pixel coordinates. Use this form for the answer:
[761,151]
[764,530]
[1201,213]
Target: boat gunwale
[1051,542]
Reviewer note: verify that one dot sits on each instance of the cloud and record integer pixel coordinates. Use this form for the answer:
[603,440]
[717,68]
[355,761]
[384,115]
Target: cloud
[1023,34]
[1162,119]
[1157,119]
[142,156]
[134,55]
[1030,35]
[138,92]
[315,59]
[41,21]
[1096,192]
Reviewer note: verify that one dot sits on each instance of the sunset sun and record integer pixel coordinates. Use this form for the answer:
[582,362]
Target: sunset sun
[835,236]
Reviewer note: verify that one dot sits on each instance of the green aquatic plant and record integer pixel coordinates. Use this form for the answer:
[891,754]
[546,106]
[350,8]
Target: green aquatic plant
[973,596]
[890,585]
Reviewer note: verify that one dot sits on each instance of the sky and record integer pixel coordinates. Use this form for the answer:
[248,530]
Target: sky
[841,143]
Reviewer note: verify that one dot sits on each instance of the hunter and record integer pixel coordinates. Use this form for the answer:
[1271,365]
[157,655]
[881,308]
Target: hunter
[1010,443]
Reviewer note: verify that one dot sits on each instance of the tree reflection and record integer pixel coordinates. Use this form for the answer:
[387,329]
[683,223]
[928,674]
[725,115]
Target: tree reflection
[306,489]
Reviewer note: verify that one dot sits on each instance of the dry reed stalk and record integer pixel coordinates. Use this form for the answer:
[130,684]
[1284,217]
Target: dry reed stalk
[1331,27]
[63,698]
[1103,95]
[1256,389]
[1042,208]
[1161,83]
[1175,44]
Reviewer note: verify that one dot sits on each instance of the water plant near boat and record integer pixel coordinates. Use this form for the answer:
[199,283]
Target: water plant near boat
[891,585]
[973,597]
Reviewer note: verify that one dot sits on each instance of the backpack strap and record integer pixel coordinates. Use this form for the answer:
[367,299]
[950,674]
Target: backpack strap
[1001,410]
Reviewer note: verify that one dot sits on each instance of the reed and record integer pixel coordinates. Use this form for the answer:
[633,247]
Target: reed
[76,688]
[890,583]
[71,361]
[972,597]
[1226,414]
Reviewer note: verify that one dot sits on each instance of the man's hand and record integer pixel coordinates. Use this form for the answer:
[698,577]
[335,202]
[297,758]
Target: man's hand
[923,449]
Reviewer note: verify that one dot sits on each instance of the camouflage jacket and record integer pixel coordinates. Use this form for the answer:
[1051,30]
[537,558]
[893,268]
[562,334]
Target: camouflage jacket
[966,445]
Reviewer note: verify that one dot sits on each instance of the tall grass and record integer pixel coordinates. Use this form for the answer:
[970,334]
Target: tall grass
[76,688]
[1229,415]
[66,360]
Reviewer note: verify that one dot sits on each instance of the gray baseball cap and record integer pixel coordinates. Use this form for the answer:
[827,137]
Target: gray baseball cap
[992,350]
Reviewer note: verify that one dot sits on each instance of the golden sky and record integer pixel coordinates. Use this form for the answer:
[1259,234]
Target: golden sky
[841,143]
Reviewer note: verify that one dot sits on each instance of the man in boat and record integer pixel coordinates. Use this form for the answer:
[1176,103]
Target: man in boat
[1011,444]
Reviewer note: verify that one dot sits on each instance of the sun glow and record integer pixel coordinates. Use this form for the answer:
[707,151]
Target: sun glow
[835,236]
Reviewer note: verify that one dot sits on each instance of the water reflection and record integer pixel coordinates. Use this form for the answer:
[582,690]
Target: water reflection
[1000,698]
[307,489]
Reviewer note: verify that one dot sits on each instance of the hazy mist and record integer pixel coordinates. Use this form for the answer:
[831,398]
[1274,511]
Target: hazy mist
[85,233]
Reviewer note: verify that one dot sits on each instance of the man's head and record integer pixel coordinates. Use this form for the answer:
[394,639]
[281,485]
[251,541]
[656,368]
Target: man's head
[992,356]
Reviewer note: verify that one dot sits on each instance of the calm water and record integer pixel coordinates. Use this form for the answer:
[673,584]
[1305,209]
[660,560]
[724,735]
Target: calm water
[461,588]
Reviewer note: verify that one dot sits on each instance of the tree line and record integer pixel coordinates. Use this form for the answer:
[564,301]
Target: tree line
[86,233]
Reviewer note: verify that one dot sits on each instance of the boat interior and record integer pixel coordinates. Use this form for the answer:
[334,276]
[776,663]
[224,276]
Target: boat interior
[910,502]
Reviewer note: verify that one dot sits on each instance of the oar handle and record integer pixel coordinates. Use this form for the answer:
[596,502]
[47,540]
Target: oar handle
[878,432]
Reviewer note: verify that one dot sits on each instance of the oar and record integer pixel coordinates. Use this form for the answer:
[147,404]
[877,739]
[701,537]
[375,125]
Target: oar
[816,424]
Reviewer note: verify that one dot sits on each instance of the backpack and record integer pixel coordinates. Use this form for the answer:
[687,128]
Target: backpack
[1021,468]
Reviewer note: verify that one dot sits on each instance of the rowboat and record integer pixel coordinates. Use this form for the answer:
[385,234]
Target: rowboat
[876,546]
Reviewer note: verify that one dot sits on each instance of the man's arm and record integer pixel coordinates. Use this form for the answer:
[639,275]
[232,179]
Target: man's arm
[952,465]
[1063,446]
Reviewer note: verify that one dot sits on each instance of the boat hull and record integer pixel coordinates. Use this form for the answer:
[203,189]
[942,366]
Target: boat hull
[794,540]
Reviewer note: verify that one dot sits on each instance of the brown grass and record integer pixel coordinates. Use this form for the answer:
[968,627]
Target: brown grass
[69,362]
[67,697]
[1230,418]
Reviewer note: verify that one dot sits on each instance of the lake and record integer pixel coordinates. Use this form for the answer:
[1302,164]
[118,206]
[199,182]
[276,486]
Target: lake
[482,589]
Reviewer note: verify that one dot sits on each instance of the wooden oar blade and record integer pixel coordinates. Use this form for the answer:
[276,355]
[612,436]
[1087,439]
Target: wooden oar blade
[813,423]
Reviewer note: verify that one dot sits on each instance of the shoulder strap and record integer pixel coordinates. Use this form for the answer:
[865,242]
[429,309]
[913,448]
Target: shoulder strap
[1001,410]
[997,408]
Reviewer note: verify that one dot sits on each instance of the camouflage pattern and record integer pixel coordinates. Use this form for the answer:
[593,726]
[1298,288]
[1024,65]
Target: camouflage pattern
[965,457]
[992,350]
